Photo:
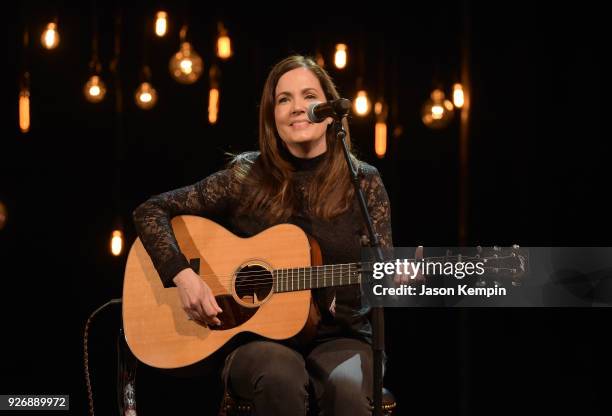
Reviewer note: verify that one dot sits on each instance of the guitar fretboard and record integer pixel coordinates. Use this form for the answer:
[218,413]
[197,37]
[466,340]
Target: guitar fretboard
[304,278]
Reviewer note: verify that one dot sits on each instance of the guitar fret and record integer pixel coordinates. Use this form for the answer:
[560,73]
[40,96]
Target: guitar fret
[310,279]
[324,275]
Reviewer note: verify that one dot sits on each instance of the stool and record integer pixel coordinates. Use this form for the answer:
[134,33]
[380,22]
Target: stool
[231,406]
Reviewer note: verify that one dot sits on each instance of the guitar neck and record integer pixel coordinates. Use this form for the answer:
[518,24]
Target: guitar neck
[333,275]
[304,278]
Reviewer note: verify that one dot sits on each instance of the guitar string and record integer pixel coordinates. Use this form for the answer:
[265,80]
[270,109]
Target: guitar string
[333,266]
[326,266]
[284,281]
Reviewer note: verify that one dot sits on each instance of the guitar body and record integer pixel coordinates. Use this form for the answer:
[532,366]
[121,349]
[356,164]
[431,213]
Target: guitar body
[237,270]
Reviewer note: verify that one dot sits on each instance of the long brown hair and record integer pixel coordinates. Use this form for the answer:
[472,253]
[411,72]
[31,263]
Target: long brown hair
[330,193]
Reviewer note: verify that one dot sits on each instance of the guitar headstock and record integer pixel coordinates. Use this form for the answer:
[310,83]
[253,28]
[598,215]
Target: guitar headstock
[503,264]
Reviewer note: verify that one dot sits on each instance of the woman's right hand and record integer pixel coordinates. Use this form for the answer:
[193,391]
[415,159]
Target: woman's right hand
[197,298]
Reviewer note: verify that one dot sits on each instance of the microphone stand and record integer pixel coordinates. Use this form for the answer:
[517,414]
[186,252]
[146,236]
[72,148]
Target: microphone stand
[378,319]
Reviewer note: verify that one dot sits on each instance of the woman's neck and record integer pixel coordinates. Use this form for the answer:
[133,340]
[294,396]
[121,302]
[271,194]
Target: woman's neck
[305,164]
[307,150]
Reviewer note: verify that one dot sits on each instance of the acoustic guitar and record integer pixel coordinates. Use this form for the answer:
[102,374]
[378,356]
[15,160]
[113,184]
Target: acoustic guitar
[263,284]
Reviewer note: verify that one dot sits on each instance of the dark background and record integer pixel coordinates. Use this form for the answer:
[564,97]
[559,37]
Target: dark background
[537,176]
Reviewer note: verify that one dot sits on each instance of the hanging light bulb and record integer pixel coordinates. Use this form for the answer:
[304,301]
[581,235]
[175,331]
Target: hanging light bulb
[380,139]
[378,108]
[116,243]
[224,43]
[437,112]
[381,109]
[145,96]
[340,57]
[213,105]
[213,95]
[24,103]
[320,60]
[380,129]
[50,37]
[3,215]
[458,96]
[94,89]
[362,103]
[161,23]
[24,110]
[186,66]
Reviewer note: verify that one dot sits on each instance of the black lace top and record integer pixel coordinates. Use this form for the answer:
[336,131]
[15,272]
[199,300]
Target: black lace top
[216,197]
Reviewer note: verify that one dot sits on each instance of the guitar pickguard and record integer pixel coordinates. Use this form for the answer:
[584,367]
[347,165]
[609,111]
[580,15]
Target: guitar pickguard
[233,313]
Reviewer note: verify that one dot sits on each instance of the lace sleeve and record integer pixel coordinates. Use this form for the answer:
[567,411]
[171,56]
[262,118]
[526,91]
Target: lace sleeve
[378,204]
[211,196]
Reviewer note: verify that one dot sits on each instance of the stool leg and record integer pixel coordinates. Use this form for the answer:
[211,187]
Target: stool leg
[126,377]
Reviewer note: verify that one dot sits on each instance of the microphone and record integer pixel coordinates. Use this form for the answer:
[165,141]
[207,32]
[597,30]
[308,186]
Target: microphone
[339,108]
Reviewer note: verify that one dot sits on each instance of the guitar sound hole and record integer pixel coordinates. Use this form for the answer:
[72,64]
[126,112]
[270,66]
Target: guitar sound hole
[253,284]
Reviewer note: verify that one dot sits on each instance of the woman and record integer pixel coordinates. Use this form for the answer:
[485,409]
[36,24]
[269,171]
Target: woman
[299,176]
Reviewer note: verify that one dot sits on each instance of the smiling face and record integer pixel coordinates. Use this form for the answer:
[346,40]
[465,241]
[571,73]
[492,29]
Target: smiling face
[295,91]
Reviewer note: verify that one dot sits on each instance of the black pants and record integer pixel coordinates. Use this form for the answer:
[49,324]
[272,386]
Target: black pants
[277,378]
